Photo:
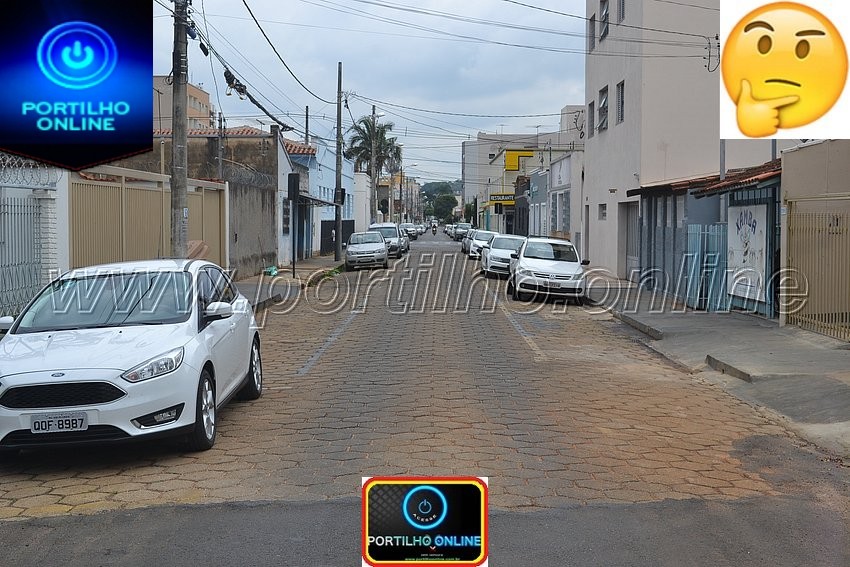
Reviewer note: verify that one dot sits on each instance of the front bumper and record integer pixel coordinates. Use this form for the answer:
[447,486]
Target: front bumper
[376,259]
[113,421]
[560,287]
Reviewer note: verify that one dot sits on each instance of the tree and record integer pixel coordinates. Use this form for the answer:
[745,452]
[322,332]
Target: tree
[387,150]
[444,205]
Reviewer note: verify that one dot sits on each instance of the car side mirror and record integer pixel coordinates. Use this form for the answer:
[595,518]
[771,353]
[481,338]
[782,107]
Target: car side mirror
[345,244]
[515,256]
[487,246]
[585,262]
[218,310]
[6,323]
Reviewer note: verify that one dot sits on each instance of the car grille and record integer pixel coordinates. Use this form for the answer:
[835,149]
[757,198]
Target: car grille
[60,395]
[551,276]
[95,433]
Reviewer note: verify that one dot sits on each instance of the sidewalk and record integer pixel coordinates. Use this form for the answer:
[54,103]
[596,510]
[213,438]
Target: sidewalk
[263,290]
[801,376]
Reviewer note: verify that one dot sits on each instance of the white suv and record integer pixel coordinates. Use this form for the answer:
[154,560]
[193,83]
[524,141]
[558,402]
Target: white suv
[549,267]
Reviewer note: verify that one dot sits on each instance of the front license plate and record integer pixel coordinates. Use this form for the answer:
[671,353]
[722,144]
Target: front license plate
[553,284]
[56,422]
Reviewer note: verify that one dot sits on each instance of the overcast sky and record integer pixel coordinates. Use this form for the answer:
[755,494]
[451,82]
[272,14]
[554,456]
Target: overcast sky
[395,56]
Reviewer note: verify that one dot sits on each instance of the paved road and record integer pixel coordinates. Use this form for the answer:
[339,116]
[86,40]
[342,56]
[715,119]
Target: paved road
[595,447]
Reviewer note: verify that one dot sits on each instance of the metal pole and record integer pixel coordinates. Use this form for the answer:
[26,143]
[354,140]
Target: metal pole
[340,195]
[220,145]
[374,182]
[179,134]
[306,124]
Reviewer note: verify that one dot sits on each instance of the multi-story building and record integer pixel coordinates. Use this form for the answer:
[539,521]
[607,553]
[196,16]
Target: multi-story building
[200,112]
[651,93]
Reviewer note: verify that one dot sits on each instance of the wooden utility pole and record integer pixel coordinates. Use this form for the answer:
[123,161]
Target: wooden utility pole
[340,194]
[179,133]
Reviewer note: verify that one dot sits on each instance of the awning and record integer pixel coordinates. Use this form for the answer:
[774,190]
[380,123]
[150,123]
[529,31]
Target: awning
[674,187]
[313,201]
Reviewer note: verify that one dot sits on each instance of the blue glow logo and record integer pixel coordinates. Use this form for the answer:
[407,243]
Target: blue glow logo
[424,507]
[77,55]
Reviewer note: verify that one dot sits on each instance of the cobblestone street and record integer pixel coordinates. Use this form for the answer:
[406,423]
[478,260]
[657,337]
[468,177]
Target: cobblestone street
[367,375]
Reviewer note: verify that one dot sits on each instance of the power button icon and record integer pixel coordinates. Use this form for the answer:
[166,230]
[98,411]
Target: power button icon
[77,55]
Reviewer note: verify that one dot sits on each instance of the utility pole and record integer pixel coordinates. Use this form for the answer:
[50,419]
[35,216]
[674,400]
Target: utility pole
[374,183]
[307,125]
[340,195]
[220,146]
[179,133]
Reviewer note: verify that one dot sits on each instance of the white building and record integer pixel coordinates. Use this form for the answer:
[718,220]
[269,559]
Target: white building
[360,206]
[652,116]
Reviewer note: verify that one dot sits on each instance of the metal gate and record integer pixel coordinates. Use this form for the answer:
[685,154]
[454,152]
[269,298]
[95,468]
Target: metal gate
[819,262]
[705,263]
[632,212]
[20,252]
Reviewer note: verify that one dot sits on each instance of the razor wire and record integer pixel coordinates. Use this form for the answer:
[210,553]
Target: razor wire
[17,170]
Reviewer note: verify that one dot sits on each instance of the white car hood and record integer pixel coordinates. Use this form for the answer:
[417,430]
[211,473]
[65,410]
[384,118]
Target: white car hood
[501,253]
[552,266]
[114,348]
[368,247]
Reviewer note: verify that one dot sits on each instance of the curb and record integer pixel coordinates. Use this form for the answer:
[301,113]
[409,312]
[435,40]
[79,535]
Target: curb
[264,304]
[647,330]
[726,368]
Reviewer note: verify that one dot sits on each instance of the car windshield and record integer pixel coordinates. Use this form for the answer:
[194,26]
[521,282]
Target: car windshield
[365,238]
[484,235]
[551,251]
[502,243]
[110,300]
[386,231]
[464,225]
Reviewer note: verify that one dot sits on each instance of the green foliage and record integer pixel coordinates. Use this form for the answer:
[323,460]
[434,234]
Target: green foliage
[443,205]
[359,148]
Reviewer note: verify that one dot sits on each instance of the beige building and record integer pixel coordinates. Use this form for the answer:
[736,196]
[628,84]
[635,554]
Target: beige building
[816,235]
[652,116]
[198,108]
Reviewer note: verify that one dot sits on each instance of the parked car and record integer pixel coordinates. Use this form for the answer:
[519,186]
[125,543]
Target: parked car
[410,229]
[396,241]
[366,249]
[450,230]
[496,255]
[420,228]
[464,242]
[547,266]
[127,351]
[478,239]
[461,229]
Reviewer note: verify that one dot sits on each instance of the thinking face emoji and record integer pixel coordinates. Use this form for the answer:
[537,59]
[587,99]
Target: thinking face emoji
[784,65]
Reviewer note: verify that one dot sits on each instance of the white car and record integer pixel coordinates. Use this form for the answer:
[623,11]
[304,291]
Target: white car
[477,241]
[365,249]
[548,267]
[127,351]
[496,256]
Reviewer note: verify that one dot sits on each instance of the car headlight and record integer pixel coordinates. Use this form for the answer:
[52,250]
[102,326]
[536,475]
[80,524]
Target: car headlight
[524,272]
[168,362]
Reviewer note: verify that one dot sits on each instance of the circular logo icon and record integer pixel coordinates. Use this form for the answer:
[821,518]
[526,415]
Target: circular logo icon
[77,55]
[424,507]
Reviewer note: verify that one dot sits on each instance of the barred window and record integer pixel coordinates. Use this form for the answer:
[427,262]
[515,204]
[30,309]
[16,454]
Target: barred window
[591,33]
[621,101]
[622,11]
[603,20]
[591,120]
[603,109]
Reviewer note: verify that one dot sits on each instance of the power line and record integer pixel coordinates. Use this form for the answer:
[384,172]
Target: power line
[463,114]
[245,2]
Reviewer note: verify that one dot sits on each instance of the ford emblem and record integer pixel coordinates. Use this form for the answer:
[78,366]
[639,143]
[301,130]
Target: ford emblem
[57,374]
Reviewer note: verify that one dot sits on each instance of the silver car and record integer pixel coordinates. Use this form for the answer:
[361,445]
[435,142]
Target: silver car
[477,240]
[496,256]
[366,249]
[397,242]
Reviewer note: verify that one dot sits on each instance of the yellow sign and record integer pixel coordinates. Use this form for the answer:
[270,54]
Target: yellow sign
[512,158]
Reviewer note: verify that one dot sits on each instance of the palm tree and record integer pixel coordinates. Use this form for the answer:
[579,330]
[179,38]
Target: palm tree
[387,150]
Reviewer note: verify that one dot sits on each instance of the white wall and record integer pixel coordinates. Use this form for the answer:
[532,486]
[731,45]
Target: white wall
[361,204]
[284,241]
[670,129]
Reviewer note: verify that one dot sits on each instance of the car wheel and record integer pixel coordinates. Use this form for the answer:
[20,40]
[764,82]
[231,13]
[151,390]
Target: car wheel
[348,268]
[517,295]
[253,387]
[203,435]
[579,300]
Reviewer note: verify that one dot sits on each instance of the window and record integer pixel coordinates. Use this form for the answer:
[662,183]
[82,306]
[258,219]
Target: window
[621,101]
[591,118]
[603,211]
[622,11]
[603,20]
[565,211]
[591,33]
[553,212]
[603,109]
